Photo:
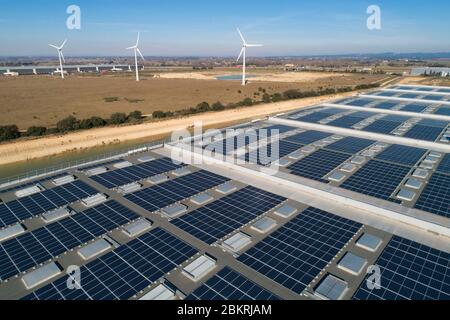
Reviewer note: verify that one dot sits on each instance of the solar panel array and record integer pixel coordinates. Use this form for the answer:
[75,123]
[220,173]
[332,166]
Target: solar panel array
[221,217]
[318,165]
[122,273]
[410,271]
[164,194]
[377,179]
[350,120]
[444,166]
[23,186]
[350,145]
[296,253]
[402,155]
[28,207]
[32,248]
[228,284]
[134,173]
[435,198]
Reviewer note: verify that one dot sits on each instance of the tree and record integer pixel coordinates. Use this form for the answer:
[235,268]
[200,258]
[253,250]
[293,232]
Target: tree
[36,131]
[9,132]
[218,106]
[276,97]
[67,124]
[203,107]
[247,102]
[266,98]
[135,116]
[118,118]
[98,122]
[159,114]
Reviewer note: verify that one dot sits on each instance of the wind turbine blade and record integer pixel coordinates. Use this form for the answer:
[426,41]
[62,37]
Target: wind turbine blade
[64,43]
[138,38]
[254,45]
[129,48]
[53,46]
[240,54]
[140,53]
[242,37]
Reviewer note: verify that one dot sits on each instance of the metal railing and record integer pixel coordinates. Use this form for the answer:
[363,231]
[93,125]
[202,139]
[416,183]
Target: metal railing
[37,173]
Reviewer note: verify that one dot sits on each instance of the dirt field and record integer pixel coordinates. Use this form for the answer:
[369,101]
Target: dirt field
[27,101]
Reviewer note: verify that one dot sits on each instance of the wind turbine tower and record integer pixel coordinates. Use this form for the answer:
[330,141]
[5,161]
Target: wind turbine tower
[136,51]
[243,54]
[60,56]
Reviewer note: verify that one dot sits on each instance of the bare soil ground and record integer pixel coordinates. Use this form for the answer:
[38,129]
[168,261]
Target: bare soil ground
[44,100]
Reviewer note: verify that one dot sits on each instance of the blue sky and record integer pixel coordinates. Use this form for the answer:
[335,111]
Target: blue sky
[208,27]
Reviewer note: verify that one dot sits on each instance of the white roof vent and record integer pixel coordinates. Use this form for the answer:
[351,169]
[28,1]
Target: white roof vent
[161,293]
[123,164]
[94,200]
[28,191]
[199,268]
[63,180]
[237,242]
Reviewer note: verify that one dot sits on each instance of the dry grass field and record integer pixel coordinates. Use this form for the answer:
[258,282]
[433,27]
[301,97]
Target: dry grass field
[32,100]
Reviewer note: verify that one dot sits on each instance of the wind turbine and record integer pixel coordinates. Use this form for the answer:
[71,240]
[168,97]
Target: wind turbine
[60,56]
[136,51]
[243,54]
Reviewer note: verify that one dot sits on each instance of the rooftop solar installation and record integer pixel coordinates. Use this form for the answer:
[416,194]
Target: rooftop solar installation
[360,102]
[410,271]
[28,207]
[159,196]
[123,272]
[223,216]
[138,172]
[436,196]
[295,254]
[30,249]
[319,164]
[444,166]
[233,231]
[445,111]
[227,284]
[350,145]
[402,154]
[377,179]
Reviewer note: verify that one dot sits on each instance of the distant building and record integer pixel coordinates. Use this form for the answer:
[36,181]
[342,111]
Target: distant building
[444,72]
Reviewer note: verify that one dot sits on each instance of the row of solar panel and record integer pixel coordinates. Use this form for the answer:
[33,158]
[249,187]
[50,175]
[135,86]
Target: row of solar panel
[27,207]
[32,248]
[26,185]
[164,194]
[134,173]
[122,273]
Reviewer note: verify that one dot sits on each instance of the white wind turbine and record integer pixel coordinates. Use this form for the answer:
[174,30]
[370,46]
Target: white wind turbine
[136,51]
[60,56]
[243,54]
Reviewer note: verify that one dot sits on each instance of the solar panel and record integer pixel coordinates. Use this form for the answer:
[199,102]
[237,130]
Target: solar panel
[434,123]
[124,272]
[434,97]
[387,105]
[402,155]
[319,164]
[382,126]
[223,216]
[414,108]
[350,145]
[27,207]
[410,271]
[445,111]
[138,172]
[230,285]
[164,194]
[377,179]
[410,95]
[360,102]
[436,196]
[265,155]
[426,133]
[386,94]
[296,253]
[316,116]
[100,164]
[444,166]
[30,249]
[350,120]
[308,137]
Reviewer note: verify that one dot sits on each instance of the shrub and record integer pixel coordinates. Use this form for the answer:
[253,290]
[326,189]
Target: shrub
[135,116]
[9,132]
[266,98]
[36,131]
[159,114]
[86,124]
[118,118]
[247,102]
[277,97]
[203,107]
[111,99]
[218,106]
[98,122]
[67,124]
